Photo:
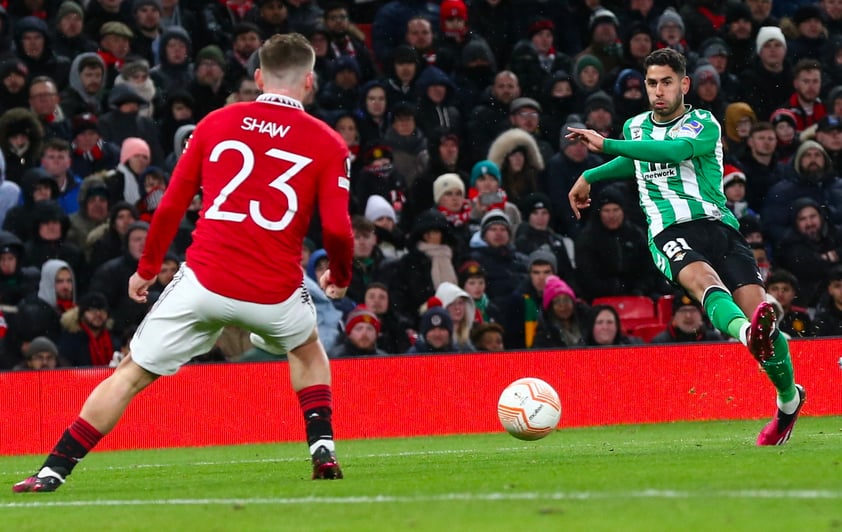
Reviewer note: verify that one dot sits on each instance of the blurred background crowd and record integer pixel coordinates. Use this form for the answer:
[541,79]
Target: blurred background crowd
[455,114]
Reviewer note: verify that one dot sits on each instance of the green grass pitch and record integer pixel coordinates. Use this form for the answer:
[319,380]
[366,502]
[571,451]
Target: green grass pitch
[676,476]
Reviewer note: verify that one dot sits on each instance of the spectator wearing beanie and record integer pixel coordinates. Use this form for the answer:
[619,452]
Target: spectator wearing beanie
[125,184]
[768,81]
[136,73]
[588,74]
[486,193]
[522,311]
[811,38]
[124,120]
[604,42]
[706,91]
[564,315]
[175,70]
[671,33]
[449,195]
[535,58]
[739,119]
[68,38]
[41,353]
[435,331]
[739,33]
[734,185]
[493,248]
[85,339]
[390,238]
[208,86]
[537,233]
[361,329]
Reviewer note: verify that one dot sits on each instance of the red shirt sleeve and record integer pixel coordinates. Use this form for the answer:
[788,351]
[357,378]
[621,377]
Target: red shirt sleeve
[337,238]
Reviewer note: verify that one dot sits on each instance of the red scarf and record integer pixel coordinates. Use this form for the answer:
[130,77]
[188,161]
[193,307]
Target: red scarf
[110,59]
[94,154]
[715,20]
[65,304]
[460,217]
[99,346]
[240,8]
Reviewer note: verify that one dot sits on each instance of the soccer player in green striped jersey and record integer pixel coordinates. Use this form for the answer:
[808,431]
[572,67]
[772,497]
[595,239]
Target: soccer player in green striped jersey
[674,153]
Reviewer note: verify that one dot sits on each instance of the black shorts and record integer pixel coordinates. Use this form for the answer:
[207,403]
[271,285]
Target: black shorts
[720,245]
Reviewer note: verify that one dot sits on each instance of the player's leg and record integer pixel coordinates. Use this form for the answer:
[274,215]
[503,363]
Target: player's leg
[100,413]
[309,370]
[777,364]
[293,323]
[703,283]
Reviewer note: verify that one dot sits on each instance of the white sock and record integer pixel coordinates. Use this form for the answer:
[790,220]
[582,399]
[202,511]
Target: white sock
[790,406]
[323,443]
[47,472]
[744,333]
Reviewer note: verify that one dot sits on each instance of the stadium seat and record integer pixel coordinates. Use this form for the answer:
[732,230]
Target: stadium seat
[647,331]
[633,310]
[664,308]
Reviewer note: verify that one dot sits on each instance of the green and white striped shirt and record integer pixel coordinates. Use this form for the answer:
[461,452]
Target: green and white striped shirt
[673,192]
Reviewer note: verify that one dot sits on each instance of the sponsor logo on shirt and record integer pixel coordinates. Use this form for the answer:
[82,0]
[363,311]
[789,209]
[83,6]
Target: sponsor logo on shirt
[660,174]
[344,182]
[690,129]
[273,129]
[636,133]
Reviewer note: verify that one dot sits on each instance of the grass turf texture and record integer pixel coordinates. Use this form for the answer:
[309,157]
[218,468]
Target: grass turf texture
[678,476]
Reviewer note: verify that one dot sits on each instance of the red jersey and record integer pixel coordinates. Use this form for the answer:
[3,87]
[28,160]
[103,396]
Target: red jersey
[262,167]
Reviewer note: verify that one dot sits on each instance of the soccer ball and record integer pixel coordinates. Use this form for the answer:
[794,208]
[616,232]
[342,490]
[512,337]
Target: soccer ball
[529,409]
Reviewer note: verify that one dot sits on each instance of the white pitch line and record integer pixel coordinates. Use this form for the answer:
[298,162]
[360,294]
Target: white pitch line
[461,497]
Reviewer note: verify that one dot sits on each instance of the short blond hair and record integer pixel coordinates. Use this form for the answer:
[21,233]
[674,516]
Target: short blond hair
[286,58]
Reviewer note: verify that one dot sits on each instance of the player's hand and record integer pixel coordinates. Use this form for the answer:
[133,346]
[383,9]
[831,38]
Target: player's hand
[593,140]
[331,290]
[579,196]
[139,288]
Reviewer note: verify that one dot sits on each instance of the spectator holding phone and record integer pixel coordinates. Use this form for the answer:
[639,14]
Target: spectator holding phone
[486,194]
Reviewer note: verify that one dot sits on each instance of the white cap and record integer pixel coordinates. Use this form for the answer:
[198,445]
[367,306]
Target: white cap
[767,33]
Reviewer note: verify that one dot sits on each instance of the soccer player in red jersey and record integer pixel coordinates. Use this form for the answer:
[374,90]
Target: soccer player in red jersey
[262,166]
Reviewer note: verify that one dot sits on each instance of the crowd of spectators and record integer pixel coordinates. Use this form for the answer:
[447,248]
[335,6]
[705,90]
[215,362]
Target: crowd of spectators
[455,114]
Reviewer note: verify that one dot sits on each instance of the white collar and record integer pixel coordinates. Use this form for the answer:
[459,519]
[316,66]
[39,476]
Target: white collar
[280,99]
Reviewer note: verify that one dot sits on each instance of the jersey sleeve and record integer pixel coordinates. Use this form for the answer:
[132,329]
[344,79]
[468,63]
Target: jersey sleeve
[701,131]
[334,196]
[183,186]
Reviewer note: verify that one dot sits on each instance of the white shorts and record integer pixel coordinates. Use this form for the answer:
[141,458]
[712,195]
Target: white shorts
[188,318]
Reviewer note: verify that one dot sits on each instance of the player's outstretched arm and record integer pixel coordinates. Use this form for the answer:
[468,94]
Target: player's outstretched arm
[331,290]
[593,140]
[579,196]
[139,287]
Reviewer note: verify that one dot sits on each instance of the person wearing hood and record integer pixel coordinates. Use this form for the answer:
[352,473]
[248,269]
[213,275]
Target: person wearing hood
[316,265]
[21,138]
[180,139]
[460,306]
[372,114]
[135,73]
[39,313]
[112,277]
[534,58]
[407,141]
[69,39]
[558,101]
[477,71]
[811,176]
[175,70]
[629,94]
[13,84]
[93,211]
[33,44]
[179,110]
[36,185]
[436,107]
[739,119]
[105,242]
[124,121]
[10,192]
[516,153]
[809,249]
[16,280]
[85,89]
[49,240]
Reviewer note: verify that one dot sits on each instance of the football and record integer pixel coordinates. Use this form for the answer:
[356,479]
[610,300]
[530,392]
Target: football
[529,409]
